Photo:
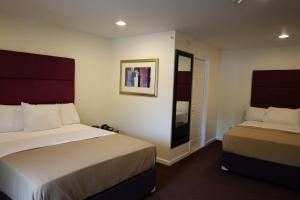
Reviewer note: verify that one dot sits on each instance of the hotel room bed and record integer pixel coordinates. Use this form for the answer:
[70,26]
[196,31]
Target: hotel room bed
[253,139]
[265,150]
[267,154]
[72,162]
[75,167]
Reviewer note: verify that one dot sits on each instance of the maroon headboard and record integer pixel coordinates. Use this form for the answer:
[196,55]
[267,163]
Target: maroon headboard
[184,84]
[33,78]
[279,88]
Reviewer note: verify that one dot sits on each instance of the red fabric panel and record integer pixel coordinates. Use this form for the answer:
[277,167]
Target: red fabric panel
[184,77]
[276,78]
[279,88]
[15,91]
[184,83]
[35,78]
[33,66]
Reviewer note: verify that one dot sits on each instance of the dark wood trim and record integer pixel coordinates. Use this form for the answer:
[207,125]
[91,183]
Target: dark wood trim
[178,141]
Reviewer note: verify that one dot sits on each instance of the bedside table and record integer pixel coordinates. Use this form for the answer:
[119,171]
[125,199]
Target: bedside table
[107,128]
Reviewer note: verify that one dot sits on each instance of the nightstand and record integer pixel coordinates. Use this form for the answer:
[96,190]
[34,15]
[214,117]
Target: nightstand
[106,127]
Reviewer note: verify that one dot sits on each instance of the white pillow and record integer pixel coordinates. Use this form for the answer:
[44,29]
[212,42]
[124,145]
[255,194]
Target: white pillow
[68,113]
[41,117]
[255,114]
[11,118]
[282,116]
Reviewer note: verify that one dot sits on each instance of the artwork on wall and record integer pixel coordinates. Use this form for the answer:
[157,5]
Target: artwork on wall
[139,77]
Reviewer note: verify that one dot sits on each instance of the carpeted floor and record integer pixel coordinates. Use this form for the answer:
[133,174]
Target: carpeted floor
[199,177]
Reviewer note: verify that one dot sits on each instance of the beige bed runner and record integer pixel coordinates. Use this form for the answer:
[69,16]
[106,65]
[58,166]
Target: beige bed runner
[265,144]
[74,170]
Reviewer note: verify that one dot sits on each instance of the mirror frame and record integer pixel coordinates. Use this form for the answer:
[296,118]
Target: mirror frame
[186,137]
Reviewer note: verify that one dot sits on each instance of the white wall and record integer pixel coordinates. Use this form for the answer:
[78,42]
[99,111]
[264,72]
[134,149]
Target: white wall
[236,75]
[151,118]
[143,117]
[211,55]
[91,53]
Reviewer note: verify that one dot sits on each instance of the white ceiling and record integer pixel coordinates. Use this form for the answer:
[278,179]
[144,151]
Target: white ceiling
[252,24]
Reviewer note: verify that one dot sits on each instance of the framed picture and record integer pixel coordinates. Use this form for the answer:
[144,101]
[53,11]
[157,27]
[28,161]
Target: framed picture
[139,77]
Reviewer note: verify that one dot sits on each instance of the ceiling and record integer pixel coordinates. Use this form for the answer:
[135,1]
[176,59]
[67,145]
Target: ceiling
[252,24]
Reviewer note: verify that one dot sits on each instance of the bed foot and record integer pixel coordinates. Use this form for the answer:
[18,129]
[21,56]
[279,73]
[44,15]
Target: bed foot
[224,168]
[153,190]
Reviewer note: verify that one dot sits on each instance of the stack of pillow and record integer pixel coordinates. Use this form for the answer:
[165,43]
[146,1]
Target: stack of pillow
[28,117]
[275,115]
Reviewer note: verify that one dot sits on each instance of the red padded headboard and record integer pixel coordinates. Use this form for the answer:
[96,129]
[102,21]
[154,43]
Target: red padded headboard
[279,88]
[184,84]
[33,78]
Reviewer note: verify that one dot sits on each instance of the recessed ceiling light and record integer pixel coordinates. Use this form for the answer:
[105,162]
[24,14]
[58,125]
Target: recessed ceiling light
[121,23]
[283,36]
[237,1]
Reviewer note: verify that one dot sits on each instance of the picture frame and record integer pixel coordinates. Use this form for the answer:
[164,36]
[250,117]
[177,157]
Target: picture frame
[139,77]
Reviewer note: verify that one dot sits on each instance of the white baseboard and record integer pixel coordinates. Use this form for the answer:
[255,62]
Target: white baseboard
[210,141]
[173,161]
[196,149]
[219,138]
[162,161]
[182,156]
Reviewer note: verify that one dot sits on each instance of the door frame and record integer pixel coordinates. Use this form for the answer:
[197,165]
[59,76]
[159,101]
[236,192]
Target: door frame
[203,122]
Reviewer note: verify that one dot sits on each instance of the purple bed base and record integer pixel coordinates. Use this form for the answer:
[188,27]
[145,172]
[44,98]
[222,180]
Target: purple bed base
[264,170]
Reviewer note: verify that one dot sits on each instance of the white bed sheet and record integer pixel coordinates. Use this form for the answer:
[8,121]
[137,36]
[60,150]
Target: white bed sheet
[13,142]
[281,127]
[181,117]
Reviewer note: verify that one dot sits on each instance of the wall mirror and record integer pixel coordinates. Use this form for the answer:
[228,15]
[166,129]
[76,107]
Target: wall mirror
[182,98]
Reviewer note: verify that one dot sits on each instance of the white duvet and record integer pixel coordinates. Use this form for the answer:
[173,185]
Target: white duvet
[13,142]
[281,127]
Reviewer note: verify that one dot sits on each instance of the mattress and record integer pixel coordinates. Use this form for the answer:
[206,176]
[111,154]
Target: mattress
[278,144]
[73,169]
